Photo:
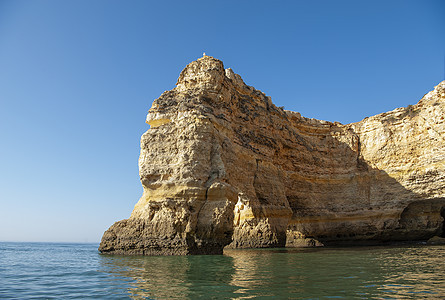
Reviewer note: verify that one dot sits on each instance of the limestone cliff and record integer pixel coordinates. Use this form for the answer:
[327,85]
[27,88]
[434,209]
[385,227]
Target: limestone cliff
[221,165]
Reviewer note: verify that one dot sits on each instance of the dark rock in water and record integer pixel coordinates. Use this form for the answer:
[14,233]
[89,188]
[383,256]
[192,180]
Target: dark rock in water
[223,166]
[436,240]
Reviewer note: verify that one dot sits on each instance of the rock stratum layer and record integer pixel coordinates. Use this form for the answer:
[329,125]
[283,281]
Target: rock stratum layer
[222,166]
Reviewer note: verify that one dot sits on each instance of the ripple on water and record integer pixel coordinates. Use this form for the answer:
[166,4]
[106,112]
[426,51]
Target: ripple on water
[33,270]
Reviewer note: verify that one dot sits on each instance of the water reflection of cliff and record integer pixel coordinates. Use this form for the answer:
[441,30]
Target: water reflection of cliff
[379,272]
[396,272]
[173,277]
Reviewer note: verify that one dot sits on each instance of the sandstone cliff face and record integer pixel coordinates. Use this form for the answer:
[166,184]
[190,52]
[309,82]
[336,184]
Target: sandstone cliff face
[221,165]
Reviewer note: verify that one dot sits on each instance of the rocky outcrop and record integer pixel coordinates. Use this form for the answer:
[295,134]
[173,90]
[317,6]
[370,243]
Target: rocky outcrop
[222,166]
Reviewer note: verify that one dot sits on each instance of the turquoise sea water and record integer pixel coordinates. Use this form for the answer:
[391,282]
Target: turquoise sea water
[64,271]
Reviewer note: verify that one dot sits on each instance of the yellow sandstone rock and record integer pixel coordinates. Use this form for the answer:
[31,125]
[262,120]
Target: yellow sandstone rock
[221,165]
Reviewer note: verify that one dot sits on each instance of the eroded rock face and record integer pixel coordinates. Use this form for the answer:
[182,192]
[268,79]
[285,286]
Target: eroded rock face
[221,165]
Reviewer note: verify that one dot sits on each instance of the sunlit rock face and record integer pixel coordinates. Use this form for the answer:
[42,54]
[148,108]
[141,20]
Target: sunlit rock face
[222,166]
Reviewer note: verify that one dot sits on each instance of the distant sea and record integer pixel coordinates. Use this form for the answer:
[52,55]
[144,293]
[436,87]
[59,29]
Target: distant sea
[70,271]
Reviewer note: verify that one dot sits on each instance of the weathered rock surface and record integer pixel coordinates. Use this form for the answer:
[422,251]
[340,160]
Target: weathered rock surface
[221,165]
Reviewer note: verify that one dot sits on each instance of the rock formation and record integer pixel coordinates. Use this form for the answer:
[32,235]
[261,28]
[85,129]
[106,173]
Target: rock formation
[222,166]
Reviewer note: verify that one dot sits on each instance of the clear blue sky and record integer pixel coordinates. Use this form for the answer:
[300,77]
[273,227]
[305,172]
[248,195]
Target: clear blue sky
[78,77]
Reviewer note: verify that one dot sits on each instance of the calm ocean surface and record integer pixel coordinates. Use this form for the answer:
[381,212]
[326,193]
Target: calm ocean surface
[63,271]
